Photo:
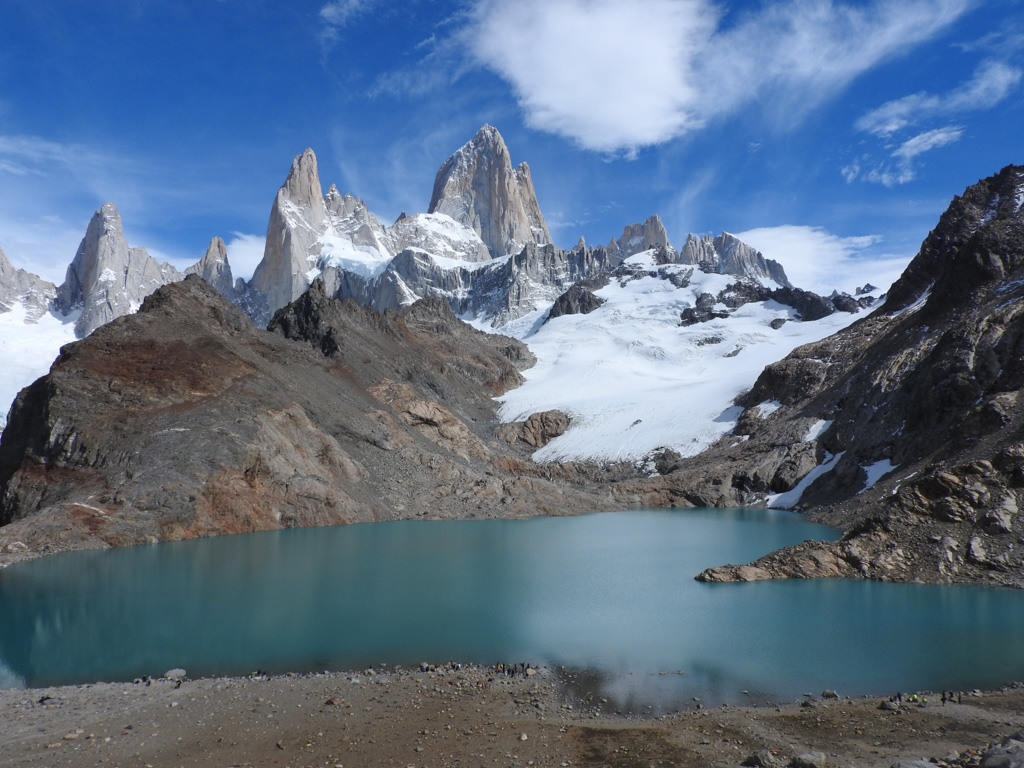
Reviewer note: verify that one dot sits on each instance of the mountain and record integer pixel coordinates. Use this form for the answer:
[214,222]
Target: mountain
[21,288]
[298,222]
[907,428]
[478,188]
[728,255]
[215,269]
[107,278]
[483,245]
[725,254]
[336,238]
[185,420]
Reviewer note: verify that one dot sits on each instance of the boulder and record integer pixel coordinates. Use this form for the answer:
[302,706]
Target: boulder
[809,760]
[763,758]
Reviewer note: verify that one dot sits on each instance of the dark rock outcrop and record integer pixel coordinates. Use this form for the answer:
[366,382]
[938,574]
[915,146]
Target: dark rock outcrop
[578,300]
[806,305]
[702,311]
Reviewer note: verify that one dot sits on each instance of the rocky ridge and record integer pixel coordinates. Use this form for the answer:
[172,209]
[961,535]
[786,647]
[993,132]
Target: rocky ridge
[907,428]
[483,245]
[185,420]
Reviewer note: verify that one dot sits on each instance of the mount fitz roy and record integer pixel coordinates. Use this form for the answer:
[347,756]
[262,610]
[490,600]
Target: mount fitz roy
[651,375]
[483,245]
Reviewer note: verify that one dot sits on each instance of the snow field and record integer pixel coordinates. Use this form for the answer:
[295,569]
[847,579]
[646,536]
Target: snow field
[633,380]
[28,349]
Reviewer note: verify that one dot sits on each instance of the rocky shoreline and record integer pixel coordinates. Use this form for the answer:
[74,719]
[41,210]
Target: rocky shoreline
[470,715]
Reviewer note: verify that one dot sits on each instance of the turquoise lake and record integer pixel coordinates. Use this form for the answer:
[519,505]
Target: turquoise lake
[613,593]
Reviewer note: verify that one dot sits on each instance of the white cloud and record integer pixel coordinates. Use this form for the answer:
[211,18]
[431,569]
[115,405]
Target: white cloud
[819,261]
[902,168]
[244,253]
[991,83]
[602,72]
[615,76]
[926,141]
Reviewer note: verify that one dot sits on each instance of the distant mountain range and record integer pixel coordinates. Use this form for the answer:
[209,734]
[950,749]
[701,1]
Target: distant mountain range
[483,246]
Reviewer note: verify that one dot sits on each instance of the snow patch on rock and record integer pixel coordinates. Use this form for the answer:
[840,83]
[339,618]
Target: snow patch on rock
[791,498]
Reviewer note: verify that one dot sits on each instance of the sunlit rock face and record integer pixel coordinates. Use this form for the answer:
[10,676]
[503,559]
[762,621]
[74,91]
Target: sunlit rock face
[20,287]
[478,187]
[107,278]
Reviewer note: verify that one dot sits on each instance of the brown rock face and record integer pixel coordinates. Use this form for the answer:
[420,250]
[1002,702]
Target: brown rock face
[184,420]
[538,430]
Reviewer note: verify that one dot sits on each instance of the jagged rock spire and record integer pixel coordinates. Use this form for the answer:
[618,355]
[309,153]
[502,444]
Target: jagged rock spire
[107,279]
[641,237]
[19,286]
[478,187]
[298,219]
[215,269]
[728,255]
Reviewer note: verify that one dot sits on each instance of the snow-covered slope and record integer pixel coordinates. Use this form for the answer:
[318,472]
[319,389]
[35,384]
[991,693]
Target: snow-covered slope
[634,380]
[27,349]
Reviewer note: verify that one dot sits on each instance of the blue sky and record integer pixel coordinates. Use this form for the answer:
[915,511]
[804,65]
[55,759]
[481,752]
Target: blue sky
[830,135]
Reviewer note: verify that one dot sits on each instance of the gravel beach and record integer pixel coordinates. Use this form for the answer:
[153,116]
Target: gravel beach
[471,716]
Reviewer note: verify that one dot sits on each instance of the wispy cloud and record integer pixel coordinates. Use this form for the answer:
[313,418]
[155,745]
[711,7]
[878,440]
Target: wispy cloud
[900,168]
[338,14]
[992,82]
[927,141]
[793,56]
[33,156]
[616,79]
[1005,41]
[817,260]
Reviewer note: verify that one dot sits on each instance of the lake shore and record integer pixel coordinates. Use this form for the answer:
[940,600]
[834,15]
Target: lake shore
[466,716]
